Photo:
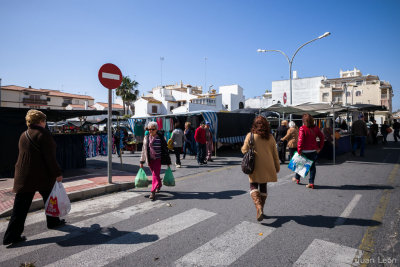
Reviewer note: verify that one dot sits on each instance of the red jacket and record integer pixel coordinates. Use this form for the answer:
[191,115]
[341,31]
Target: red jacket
[200,135]
[307,139]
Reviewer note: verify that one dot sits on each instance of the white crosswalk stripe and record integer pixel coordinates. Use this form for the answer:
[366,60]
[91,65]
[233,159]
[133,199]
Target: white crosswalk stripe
[80,228]
[228,247]
[83,208]
[122,246]
[324,253]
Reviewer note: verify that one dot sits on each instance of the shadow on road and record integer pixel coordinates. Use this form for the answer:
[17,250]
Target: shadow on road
[97,236]
[199,195]
[319,221]
[356,187]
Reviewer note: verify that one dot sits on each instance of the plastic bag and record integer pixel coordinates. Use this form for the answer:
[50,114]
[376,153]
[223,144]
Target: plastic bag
[300,164]
[141,179]
[58,204]
[169,179]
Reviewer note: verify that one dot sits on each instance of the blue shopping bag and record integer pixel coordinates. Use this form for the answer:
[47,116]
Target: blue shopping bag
[300,164]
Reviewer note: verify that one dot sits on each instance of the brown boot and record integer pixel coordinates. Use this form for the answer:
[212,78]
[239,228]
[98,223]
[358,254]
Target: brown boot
[255,195]
[263,198]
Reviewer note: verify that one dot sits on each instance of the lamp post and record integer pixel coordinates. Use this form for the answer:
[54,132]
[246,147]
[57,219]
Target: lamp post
[290,61]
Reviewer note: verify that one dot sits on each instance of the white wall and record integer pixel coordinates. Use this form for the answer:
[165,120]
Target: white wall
[232,95]
[259,102]
[304,90]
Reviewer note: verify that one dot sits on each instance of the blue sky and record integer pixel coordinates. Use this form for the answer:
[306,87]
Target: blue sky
[62,44]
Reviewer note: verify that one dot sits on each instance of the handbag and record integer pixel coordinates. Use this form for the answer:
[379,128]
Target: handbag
[249,158]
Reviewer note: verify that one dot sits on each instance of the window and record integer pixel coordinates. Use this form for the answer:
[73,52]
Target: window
[347,93]
[358,93]
[359,82]
[328,85]
[153,109]
[48,99]
[325,97]
[171,108]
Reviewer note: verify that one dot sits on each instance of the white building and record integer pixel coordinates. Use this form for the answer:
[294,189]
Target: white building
[263,101]
[232,97]
[303,90]
[181,98]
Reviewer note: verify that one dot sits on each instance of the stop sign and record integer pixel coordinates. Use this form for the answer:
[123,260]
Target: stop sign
[110,76]
[284,98]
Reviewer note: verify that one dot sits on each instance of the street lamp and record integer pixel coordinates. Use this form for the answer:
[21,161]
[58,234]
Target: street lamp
[290,61]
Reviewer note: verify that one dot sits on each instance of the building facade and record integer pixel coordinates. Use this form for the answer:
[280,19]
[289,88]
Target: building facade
[28,97]
[181,98]
[354,88]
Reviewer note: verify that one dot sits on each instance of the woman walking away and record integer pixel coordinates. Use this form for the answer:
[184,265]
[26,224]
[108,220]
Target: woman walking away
[36,170]
[266,162]
[177,138]
[308,146]
[291,137]
[155,153]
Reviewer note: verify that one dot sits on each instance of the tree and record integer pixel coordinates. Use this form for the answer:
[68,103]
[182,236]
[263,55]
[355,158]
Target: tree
[128,92]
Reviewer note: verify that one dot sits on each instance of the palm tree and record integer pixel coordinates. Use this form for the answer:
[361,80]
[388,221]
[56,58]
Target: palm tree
[128,92]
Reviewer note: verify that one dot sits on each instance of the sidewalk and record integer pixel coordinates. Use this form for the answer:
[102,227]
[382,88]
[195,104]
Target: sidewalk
[92,183]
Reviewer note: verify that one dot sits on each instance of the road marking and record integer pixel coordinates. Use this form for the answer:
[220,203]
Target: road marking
[110,76]
[132,242]
[77,229]
[324,253]
[368,242]
[281,181]
[228,247]
[346,213]
[83,208]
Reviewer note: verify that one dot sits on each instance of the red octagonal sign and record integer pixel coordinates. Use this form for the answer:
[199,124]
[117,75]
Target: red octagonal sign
[110,76]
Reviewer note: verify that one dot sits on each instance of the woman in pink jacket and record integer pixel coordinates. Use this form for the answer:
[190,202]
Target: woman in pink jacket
[308,146]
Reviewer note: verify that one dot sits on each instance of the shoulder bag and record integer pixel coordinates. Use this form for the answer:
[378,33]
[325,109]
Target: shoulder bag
[249,158]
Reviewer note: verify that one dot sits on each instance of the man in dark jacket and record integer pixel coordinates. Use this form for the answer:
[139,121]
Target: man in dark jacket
[396,129]
[359,130]
[280,133]
[36,170]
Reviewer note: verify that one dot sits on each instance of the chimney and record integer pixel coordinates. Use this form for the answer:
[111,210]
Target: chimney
[295,74]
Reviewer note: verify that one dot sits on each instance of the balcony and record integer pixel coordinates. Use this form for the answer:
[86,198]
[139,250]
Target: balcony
[34,101]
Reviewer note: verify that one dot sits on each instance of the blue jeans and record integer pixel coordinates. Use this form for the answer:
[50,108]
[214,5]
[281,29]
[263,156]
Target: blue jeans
[201,153]
[359,141]
[313,171]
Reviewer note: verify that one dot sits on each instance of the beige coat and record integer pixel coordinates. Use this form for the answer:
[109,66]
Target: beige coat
[292,137]
[267,160]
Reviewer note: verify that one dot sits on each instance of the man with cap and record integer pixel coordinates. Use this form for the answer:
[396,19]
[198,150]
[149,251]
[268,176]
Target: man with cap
[200,138]
[359,130]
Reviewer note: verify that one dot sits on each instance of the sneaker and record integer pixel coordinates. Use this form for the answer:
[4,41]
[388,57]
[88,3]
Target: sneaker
[178,166]
[310,186]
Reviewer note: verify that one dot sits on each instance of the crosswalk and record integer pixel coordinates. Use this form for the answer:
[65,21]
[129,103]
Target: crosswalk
[222,250]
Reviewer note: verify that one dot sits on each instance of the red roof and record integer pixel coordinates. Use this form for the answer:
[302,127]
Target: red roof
[114,106]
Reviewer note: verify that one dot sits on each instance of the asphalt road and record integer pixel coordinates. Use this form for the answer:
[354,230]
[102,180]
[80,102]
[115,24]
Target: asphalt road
[208,219]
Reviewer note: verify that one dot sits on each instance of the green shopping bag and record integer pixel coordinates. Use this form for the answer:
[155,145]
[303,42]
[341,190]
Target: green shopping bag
[141,179]
[169,179]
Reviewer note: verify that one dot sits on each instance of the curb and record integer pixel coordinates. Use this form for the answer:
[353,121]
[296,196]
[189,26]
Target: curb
[37,204]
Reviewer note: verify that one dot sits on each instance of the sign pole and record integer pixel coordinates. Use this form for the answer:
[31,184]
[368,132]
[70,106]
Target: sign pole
[109,137]
[110,76]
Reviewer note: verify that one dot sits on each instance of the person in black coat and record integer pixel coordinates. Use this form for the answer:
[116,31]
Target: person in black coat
[280,133]
[36,170]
